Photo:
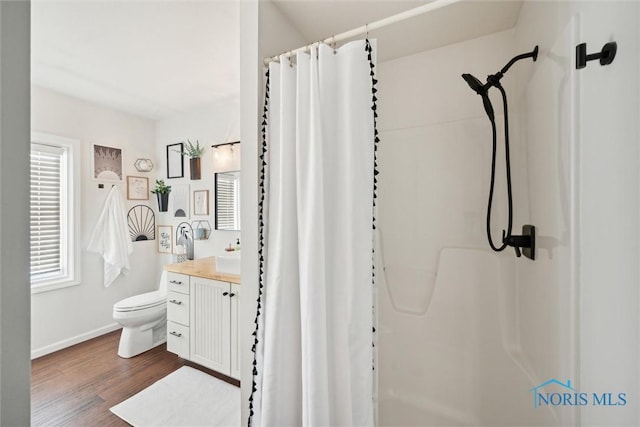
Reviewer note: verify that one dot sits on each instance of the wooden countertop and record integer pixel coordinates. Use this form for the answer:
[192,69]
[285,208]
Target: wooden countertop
[202,267]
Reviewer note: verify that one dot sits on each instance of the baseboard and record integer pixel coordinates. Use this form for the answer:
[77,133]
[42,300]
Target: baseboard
[39,352]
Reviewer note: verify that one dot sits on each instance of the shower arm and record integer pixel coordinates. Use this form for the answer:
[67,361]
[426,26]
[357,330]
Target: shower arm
[494,79]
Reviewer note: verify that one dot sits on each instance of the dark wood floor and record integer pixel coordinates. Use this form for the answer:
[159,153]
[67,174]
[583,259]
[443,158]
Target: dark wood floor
[77,386]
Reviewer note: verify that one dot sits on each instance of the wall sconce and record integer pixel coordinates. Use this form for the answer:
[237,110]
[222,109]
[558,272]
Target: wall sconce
[226,157]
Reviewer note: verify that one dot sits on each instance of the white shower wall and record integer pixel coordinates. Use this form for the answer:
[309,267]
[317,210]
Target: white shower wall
[464,333]
[581,131]
[451,350]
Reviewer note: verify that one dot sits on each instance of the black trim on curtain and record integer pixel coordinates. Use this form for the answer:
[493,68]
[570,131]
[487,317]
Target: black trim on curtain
[374,107]
[261,219]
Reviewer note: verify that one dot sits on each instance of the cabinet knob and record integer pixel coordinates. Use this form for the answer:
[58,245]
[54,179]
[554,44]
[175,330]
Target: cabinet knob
[224,294]
[174,301]
[175,334]
[231,295]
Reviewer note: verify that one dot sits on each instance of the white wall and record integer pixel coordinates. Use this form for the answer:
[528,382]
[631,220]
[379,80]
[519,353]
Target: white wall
[15,366]
[583,160]
[210,125]
[65,316]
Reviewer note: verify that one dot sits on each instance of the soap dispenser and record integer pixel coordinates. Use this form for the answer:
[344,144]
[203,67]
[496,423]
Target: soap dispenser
[237,248]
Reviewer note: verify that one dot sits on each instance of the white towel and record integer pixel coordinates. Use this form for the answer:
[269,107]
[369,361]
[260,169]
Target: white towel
[111,237]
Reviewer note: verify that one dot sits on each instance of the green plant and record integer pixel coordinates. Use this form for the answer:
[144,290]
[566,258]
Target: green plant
[191,150]
[161,187]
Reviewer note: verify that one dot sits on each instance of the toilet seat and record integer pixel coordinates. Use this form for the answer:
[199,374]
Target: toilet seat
[141,302]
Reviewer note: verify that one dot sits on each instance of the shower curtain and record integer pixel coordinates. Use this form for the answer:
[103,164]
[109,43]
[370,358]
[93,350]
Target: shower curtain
[313,350]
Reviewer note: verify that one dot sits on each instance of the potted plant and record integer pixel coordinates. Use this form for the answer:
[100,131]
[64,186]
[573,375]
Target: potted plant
[195,153]
[162,191]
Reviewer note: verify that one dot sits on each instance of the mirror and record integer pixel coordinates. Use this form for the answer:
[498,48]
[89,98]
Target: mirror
[227,200]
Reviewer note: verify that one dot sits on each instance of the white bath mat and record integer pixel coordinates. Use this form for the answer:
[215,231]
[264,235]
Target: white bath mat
[186,397]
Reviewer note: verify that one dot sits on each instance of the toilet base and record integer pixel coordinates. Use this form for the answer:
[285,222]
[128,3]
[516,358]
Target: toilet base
[134,341]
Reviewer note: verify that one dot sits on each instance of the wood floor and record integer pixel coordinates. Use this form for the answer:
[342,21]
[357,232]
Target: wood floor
[77,386]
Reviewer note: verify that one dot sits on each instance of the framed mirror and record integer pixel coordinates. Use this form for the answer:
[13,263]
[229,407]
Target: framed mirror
[227,200]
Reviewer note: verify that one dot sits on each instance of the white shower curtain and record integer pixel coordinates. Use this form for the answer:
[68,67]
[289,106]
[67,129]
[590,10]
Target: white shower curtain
[314,355]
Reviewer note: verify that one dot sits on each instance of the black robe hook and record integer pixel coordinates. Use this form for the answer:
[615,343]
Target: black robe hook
[606,55]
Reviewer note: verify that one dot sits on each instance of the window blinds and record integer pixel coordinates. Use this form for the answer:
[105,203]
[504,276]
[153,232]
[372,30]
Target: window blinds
[226,202]
[47,201]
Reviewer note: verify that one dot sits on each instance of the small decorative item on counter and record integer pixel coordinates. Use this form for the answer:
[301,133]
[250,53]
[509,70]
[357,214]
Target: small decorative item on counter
[184,237]
[162,191]
[194,152]
[180,254]
[230,248]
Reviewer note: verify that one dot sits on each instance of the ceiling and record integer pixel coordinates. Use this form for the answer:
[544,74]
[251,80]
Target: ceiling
[156,58]
[464,20]
[149,58]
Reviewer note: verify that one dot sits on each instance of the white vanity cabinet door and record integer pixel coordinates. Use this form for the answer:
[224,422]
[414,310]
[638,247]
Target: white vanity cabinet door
[210,324]
[235,332]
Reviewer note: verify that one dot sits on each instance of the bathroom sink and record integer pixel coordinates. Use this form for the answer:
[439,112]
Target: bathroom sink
[229,264]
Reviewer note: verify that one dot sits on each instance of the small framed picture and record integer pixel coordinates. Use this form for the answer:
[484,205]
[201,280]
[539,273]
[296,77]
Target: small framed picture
[165,239]
[106,163]
[201,202]
[175,160]
[137,188]
[179,200]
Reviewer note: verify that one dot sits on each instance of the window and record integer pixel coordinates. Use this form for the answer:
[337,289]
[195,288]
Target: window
[227,186]
[54,213]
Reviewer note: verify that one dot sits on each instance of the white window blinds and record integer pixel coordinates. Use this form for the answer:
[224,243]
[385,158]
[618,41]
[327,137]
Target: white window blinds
[227,212]
[47,211]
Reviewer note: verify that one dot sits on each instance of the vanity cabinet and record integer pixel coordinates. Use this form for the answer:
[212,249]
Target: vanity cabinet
[214,311]
[202,322]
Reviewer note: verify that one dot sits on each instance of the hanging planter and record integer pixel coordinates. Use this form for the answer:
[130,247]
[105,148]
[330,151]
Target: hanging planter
[162,193]
[194,168]
[195,153]
[163,202]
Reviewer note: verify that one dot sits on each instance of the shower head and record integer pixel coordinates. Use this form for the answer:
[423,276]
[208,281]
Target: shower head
[474,84]
[481,90]
[494,80]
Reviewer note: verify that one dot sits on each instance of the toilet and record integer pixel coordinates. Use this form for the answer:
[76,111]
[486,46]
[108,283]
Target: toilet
[144,321]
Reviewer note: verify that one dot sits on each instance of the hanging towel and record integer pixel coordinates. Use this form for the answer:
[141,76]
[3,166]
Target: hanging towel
[111,237]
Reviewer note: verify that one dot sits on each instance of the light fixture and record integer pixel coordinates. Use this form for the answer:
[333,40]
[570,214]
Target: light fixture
[225,157]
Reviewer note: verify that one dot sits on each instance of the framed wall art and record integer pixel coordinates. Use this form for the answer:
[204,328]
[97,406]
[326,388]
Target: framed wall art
[106,163]
[175,160]
[165,239]
[179,200]
[137,188]
[201,202]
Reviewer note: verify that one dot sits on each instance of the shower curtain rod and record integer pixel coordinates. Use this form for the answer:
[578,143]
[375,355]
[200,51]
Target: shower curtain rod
[434,5]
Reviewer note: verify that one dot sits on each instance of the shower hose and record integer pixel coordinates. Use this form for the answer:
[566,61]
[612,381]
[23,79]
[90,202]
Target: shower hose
[505,234]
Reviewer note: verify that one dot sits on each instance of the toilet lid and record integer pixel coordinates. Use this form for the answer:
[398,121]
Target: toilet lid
[142,301]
